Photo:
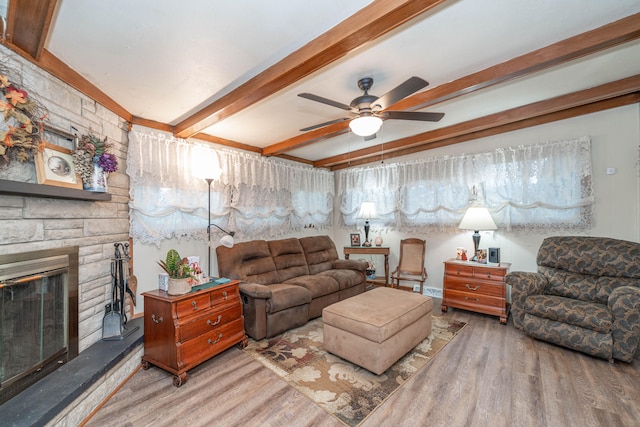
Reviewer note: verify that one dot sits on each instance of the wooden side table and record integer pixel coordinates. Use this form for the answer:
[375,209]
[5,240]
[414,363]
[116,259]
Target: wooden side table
[476,287]
[182,331]
[371,250]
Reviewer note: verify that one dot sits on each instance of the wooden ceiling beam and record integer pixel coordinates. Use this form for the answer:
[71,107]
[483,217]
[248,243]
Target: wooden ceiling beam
[367,24]
[564,102]
[597,40]
[28,25]
[593,41]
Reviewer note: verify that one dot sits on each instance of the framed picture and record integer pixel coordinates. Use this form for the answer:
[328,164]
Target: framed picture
[482,256]
[54,166]
[355,239]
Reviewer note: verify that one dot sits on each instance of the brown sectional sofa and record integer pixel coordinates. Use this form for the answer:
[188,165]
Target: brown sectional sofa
[287,282]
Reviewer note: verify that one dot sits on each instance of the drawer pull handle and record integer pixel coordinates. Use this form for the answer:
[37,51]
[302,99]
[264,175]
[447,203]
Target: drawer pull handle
[216,340]
[209,322]
[475,288]
[158,320]
[459,270]
[488,275]
[224,294]
[472,299]
[195,305]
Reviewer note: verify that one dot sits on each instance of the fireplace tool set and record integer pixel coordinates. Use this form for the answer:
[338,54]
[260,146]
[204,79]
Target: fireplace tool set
[115,319]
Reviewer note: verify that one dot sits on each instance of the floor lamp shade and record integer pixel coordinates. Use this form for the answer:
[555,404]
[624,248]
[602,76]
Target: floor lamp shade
[477,218]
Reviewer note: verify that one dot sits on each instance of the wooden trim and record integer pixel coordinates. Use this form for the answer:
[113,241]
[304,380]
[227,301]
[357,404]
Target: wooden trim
[135,120]
[227,142]
[368,24]
[594,107]
[28,24]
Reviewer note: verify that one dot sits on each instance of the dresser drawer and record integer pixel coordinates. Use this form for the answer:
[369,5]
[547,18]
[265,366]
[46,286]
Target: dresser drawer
[475,286]
[224,296]
[208,321]
[462,299]
[212,343]
[196,304]
[489,273]
[458,270]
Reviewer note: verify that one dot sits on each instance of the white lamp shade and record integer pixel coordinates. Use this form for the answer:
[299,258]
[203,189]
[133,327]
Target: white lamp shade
[366,125]
[477,218]
[227,241]
[367,211]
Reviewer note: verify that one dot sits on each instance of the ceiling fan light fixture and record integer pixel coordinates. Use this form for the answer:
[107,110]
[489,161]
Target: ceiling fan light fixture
[365,125]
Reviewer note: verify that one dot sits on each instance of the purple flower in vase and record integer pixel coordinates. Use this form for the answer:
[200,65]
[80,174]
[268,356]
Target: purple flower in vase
[108,162]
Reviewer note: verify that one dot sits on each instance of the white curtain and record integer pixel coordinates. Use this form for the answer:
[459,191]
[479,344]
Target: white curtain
[546,185]
[255,196]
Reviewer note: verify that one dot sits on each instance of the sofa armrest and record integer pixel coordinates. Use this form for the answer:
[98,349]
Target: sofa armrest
[522,285]
[350,264]
[255,290]
[624,303]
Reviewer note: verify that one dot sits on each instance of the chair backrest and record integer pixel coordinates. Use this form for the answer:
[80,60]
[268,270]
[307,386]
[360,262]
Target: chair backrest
[411,256]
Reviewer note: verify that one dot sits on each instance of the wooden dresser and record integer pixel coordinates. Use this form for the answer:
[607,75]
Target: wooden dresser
[182,331]
[476,287]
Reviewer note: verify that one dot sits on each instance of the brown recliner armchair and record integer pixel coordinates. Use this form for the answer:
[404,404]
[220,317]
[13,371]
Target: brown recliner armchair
[585,296]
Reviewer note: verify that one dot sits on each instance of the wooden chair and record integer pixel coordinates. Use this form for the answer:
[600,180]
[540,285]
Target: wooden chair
[411,263]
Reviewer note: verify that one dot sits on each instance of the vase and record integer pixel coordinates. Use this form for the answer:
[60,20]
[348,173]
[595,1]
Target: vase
[378,241]
[178,286]
[98,181]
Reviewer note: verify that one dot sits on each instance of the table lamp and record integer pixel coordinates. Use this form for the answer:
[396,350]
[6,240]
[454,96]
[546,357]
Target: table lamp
[367,212]
[477,218]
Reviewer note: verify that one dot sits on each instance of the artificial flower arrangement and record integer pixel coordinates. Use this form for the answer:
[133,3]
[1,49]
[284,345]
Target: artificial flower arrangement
[22,128]
[93,150]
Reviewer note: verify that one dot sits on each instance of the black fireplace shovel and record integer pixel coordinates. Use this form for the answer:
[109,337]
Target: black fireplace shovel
[112,321]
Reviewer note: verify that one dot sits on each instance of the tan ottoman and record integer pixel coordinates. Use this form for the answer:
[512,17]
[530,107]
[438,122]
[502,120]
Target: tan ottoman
[376,328]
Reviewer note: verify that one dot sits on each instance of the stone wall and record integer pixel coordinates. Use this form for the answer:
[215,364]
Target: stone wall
[33,223]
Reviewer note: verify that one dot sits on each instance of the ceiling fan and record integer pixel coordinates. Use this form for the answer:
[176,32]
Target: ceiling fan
[368,111]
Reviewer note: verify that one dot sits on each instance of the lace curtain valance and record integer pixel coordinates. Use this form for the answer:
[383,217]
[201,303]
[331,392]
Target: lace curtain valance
[255,196]
[546,185]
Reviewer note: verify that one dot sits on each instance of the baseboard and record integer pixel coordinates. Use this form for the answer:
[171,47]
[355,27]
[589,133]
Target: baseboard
[432,292]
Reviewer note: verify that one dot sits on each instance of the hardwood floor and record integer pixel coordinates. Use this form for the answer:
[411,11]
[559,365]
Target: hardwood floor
[489,375]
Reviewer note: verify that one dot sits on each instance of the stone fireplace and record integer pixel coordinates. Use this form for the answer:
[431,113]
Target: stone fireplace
[38,316]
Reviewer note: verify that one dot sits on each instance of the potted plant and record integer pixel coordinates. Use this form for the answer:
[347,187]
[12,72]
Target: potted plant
[179,271]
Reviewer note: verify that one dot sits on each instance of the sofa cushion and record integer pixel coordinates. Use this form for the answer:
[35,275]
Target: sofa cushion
[248,261]
[344,278]
[597,256]
[588,315]
[606,286]
[285,296]
[320,252]
[571,285]
[289,258]
[317,285]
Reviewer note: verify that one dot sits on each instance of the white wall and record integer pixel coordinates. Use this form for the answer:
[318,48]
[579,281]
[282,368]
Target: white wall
[615,137]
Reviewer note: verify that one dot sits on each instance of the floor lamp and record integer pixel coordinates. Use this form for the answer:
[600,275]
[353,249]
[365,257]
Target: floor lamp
[226,240]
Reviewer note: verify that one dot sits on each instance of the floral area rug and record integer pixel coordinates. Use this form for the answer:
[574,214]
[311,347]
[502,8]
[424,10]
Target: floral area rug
[343,389]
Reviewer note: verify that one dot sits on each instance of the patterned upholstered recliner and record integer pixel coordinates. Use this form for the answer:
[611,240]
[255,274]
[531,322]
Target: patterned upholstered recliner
[585,296]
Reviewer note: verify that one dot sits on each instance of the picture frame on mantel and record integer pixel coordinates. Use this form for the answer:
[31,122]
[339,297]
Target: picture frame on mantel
[355,239]
[54,166]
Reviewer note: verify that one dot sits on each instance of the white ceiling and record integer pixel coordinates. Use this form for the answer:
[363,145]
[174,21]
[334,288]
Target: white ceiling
[164,62]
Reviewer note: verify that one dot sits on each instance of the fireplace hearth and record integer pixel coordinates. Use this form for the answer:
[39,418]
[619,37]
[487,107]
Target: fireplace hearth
[38,316]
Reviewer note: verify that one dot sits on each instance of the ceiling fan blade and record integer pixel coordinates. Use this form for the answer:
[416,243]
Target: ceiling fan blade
[324,101]
[412,115]
[319,125]
[405,89]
